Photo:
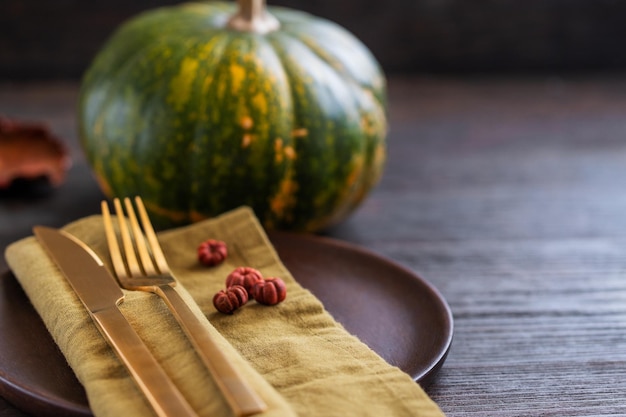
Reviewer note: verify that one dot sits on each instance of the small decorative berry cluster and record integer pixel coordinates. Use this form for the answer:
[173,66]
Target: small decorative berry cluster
[242,284]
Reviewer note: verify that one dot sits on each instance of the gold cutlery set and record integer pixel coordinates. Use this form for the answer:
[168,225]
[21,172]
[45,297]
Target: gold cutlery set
[141,266]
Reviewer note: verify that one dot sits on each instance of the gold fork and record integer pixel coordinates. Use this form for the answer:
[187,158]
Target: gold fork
[151,273]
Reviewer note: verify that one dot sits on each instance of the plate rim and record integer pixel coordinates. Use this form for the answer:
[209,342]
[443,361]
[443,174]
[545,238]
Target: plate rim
[426,376]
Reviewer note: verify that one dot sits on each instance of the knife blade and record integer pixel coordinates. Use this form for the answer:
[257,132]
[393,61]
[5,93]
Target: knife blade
[100,294]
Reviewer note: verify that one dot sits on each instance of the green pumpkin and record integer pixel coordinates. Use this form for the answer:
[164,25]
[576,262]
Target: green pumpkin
[203,107]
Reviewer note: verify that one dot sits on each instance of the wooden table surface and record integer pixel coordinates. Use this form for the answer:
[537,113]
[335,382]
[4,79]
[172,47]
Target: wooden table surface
[509,195]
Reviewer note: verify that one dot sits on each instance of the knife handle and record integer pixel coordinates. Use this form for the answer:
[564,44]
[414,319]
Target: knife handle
[158,388]
[237,392]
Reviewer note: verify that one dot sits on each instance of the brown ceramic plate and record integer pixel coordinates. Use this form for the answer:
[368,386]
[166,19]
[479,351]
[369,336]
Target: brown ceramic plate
[395,312]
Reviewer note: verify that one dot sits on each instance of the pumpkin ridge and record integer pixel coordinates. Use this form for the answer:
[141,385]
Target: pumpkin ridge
[361,67]
[248,112]
[329,194]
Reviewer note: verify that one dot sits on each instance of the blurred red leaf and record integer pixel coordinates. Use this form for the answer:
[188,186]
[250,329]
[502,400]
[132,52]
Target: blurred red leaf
[30,151]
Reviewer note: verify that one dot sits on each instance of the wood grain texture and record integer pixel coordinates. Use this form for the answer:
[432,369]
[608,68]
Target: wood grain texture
[507,194]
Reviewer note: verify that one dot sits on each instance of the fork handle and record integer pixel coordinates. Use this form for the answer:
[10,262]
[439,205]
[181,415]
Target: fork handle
[237,392]
[158,388]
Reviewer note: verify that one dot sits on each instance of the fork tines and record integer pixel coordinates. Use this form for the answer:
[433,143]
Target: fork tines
[135,242]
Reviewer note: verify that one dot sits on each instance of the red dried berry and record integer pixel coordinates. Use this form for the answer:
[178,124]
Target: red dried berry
[270,291]
[228,300]
[244,276]
[212,252]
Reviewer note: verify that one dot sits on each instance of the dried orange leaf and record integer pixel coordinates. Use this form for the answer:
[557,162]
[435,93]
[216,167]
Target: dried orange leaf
[30,151]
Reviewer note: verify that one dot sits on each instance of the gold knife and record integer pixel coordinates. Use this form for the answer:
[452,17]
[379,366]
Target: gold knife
[99,292]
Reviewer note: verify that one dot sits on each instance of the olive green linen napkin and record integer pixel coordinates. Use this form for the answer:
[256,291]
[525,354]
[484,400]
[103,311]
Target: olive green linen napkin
[300,360]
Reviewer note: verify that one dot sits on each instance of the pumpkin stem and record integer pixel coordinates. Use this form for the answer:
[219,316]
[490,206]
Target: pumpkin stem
[253,16]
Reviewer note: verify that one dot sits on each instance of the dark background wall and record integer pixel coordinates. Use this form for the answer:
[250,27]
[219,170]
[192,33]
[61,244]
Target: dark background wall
[44,39]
